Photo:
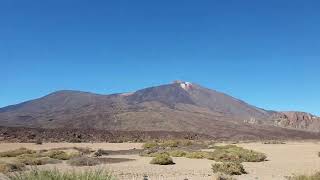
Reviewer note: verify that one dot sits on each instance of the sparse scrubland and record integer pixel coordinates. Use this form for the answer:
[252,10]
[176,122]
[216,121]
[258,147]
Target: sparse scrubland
[36,174]
[228,162]
[315,176]
[17,152]
[230,156]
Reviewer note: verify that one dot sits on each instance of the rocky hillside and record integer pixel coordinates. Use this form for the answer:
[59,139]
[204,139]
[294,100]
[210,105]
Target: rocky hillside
[179,106]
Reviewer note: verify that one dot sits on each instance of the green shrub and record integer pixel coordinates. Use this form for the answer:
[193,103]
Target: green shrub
[83,161]
[316,176]
[162,159]
[36,174]
[149,145]
[231,153]
[229,168]
[197,155]
[177,153]
[61,155]
[16,152]
[10,167]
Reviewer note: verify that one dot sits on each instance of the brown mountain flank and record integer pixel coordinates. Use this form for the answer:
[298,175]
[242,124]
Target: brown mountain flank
[180,107]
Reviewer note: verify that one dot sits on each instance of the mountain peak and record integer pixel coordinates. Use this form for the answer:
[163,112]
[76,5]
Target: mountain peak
[183,84]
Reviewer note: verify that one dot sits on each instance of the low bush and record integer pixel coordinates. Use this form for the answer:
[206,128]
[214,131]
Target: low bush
[315,176]
[84,150]
[61,155]
[149,145]
[83,161]
[36,174]
[177,153]
[10,167]
[231,153]
[37,161]
[162,159]
[16,152]
[197,155]
[229,168]
[34,155]
[151,153]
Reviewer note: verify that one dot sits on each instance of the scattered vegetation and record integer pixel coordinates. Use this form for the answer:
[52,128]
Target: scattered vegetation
[10,167]
[170,143]
[61,155]
[100,152]
[16,152]
[37,161]
[149,145]
[315,176]
[232,153]
[274,142]
[197,155]
[177,153]
[36,174]
[84,150]
[83,161]
[162,159]
[229,168]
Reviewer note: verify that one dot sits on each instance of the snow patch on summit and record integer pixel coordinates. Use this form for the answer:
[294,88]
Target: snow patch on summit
[186,85]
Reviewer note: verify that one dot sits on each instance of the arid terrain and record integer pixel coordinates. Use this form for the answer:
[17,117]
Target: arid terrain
[176,107]
[282,160]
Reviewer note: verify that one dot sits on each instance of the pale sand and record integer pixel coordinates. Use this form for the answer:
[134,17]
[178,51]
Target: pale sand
[284,160]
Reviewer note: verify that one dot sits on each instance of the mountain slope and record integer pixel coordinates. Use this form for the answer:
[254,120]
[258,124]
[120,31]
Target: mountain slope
[180,106]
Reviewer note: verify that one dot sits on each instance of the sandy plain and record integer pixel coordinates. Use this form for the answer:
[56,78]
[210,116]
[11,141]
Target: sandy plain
[283,160]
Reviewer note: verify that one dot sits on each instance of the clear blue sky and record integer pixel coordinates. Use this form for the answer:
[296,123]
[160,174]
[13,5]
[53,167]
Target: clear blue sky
[264,52]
